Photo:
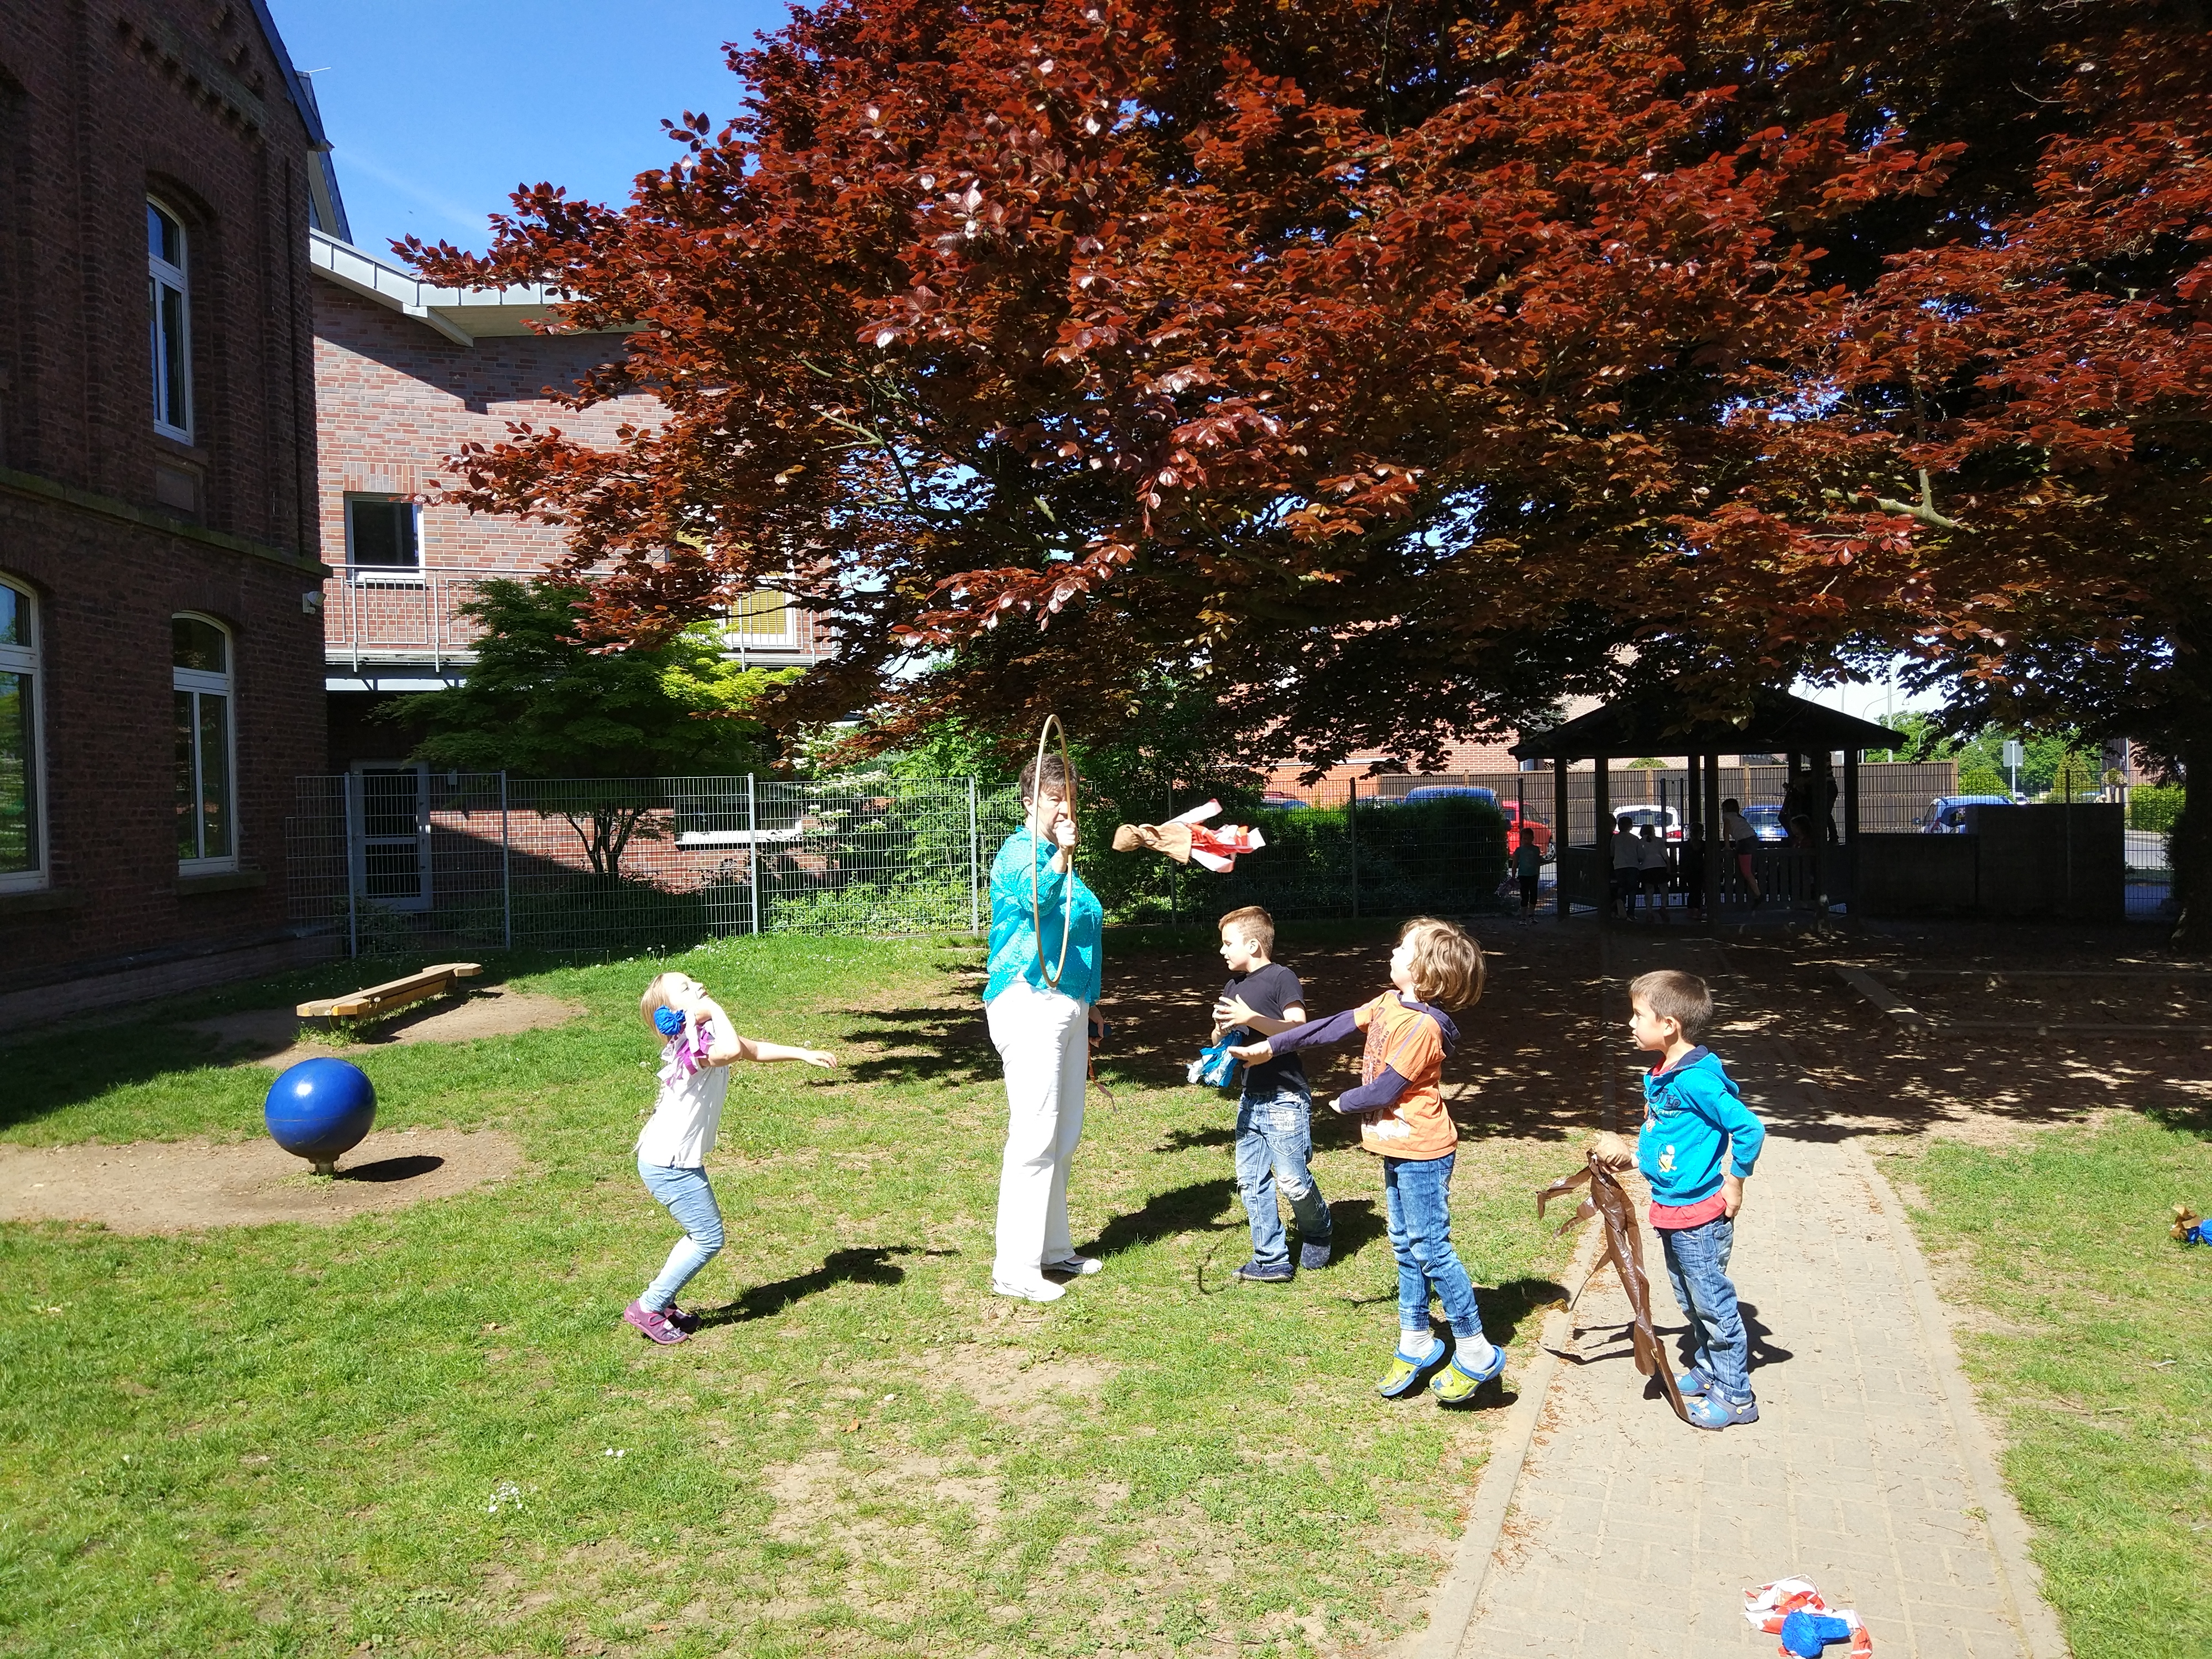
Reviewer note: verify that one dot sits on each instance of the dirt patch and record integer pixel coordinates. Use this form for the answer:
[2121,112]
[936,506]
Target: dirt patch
[183,1186]
[1007,1382]
[279,1037]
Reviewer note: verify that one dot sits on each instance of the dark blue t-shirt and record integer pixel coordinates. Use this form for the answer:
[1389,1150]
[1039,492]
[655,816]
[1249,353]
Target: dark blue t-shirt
[1272,991]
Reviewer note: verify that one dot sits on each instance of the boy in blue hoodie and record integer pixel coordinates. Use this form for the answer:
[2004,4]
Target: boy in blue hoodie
[1699,1141]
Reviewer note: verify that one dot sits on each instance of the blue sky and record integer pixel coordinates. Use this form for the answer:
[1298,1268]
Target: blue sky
[438,110]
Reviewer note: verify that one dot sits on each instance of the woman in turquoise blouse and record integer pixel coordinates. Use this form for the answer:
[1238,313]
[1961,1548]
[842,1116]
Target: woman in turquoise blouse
[1041,1031]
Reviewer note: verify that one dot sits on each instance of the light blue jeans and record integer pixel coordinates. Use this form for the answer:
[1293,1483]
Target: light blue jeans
[1274,1145]
[686,1195]
[1418,1193]
[1696,1267]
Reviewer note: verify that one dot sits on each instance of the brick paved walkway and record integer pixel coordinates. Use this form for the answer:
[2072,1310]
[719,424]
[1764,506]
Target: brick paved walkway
[1633,1535]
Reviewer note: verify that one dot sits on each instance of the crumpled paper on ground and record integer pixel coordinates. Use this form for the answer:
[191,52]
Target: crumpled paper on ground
[1769,1607]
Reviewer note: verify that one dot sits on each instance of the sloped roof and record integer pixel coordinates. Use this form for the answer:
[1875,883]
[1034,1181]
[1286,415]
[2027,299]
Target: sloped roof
[1655,722]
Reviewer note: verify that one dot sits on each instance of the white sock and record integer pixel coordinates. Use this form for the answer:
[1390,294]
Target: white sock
[1474,1351]
[1417,1345]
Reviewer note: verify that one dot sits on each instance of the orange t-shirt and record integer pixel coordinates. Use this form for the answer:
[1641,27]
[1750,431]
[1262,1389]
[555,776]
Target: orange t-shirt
[1409,1042]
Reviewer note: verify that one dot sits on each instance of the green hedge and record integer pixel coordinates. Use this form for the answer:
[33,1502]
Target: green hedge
[2155,806]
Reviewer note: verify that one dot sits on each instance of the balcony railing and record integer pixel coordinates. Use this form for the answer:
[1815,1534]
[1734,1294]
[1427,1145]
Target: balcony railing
[376,618]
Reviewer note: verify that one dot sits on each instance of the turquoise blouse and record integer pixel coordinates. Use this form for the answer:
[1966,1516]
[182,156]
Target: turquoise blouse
[1015,946]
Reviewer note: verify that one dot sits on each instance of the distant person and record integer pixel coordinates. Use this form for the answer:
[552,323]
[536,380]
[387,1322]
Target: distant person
[1627,864]
[1528,866]
[1652,865]
[1736,831]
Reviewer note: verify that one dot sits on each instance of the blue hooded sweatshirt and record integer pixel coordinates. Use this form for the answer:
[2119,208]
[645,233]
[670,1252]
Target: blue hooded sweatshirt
[1693,1117]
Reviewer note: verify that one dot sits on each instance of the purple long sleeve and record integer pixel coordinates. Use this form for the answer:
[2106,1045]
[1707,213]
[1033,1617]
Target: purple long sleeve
[1314,1033]
[1373,1096]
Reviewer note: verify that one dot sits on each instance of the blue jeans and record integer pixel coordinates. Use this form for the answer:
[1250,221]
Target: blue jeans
[1696,1267]
[687,1196]
[1274,1142]
[1417,1191]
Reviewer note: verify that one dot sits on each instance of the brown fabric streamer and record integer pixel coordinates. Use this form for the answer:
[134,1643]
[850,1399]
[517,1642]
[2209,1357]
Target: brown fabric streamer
[1624,1248]
[1172,839]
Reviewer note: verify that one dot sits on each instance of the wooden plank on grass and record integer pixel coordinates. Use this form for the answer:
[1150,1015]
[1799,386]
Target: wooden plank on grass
[1883,998]
[434,981]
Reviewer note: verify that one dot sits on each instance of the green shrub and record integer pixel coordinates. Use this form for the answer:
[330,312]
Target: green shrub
[2155,806]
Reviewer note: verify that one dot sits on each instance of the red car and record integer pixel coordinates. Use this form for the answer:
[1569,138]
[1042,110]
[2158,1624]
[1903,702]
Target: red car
[1542,832]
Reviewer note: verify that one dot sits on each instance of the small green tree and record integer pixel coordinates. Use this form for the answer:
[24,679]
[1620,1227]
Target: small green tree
[541,703]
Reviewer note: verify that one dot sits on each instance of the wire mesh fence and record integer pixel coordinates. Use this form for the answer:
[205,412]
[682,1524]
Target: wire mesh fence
[401,857]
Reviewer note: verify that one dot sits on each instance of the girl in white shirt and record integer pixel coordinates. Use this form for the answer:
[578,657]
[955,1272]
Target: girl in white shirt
[671,1150]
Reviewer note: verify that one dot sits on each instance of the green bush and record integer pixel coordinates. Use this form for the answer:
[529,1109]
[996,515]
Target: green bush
[2155,806]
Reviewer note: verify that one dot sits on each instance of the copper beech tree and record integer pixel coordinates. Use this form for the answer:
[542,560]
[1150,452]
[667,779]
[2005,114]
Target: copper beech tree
[1383,367]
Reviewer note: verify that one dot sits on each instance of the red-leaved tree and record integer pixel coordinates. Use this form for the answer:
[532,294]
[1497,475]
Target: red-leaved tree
[1381,367]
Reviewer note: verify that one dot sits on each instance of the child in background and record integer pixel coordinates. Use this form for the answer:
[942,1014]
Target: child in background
[1435,966]
[1529,866]
[1274,1113]
[701,1042]
[1694,1119]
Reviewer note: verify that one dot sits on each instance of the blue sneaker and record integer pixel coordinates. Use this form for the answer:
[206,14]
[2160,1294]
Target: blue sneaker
[1266,1272]
[1716,1411]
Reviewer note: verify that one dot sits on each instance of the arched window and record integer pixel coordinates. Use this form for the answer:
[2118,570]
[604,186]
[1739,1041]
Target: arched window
[207,814]
[22,811]
[170,317]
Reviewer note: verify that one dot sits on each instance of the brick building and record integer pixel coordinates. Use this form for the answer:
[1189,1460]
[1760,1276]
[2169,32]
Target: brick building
[406,372]
[159,655]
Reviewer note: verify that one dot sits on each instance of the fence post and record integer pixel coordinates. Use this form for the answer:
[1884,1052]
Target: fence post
[974,860]
[1351,840]
[506,871]
[353,905]
[752,850]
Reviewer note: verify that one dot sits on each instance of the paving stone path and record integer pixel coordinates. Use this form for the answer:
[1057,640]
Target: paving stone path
[1632,1535]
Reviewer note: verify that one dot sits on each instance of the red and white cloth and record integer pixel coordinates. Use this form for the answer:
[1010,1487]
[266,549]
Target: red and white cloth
[1770,1604]
[1218,849]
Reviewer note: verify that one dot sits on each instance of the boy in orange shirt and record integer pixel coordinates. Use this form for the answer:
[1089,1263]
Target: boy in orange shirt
[1435,966]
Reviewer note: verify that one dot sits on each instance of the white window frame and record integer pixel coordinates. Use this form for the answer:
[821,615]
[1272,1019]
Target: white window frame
[28,660]
[385,575]
[747,639]
[224,685]
[160,274]
[359,840]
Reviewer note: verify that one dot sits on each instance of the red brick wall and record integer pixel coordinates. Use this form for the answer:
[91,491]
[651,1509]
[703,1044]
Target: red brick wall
[394,397]
[101,103]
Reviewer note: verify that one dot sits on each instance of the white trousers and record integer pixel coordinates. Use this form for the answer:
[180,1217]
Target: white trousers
[1045,1042]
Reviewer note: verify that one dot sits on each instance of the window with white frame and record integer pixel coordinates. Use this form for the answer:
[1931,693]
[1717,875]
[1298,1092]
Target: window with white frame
[207,838]
[761,619]
[384,537]
[169,321]
[22,827]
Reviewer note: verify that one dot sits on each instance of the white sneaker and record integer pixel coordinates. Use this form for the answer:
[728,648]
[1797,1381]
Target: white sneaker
[1081,1267]
[1039,1289]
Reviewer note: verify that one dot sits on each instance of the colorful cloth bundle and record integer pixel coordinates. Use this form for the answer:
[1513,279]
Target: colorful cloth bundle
[2190,1227]
[1188,839]
[687,1046]
[1215,1067]
[1793,1610]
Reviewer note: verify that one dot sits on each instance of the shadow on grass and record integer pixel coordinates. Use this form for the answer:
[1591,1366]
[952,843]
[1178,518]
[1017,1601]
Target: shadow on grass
[1186,1209]
[948,1045]
[393,1169]
[870,1266]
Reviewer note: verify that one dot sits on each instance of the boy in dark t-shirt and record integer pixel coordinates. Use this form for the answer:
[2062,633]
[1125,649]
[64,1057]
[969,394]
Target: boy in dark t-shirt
[1274,1114]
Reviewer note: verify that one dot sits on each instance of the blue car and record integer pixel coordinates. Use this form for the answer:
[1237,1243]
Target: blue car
[1946,814]
[1447,792]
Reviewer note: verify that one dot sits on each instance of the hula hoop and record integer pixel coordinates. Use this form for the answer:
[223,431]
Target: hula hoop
[1036,905]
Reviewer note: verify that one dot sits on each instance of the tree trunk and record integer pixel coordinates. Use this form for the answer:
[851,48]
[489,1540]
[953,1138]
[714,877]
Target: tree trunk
[2189,850]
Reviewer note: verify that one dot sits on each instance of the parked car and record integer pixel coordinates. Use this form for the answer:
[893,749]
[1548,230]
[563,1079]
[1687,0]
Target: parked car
[1284,803]
[1541,832]
[1443,792]
[1666,819]
[1946,814]
[1765,821]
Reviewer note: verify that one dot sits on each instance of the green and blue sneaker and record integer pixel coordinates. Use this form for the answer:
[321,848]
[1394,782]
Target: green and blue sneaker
[1406,1374]
[1455,1385]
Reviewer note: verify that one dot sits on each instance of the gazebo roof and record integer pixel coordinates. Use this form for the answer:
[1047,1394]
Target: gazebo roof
[1655,722]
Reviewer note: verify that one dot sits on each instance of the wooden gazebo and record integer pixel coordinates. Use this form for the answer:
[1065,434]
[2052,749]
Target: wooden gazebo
[1654,721]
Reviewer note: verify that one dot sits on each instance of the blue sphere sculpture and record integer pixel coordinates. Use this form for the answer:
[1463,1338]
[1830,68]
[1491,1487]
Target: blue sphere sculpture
[319,1110]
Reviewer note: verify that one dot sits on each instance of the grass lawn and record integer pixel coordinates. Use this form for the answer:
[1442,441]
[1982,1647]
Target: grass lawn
[425,1432]
[2089,1336]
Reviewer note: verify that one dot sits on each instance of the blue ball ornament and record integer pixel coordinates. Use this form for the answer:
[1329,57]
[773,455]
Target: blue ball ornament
[319,1110]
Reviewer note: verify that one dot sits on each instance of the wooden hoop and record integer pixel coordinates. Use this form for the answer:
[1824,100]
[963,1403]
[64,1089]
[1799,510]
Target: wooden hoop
[1036,905]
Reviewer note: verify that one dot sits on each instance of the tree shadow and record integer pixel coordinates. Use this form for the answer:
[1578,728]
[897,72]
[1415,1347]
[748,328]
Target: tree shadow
[1186,1209]
[1182,1140]
[947,1045]
[870,1266]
